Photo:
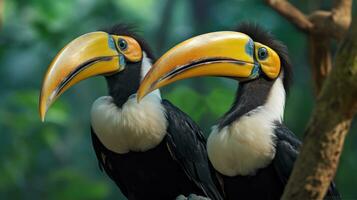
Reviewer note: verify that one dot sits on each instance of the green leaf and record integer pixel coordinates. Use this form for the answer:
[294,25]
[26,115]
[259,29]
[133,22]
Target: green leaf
[219,100]
[188,100]
[68,183]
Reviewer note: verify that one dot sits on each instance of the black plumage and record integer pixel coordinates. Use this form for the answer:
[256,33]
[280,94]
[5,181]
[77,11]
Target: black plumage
[268,182]
[125,83]
[249,96]
[287,150]
[178,165]
[245,101]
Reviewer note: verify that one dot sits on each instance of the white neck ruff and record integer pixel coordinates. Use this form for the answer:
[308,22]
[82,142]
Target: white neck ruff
[133,127]
[247,144]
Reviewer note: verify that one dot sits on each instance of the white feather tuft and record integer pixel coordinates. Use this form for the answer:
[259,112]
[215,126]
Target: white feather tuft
[145,67]
[247,144]
[134,127]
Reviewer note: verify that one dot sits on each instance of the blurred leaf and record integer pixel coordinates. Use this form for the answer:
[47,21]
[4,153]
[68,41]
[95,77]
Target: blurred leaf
[47,160]
[50,136]
[188,100]
[219,100]
[69,184]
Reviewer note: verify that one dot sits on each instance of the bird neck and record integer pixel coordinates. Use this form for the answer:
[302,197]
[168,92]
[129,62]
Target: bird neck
[247,130]
[258,94]
[120,122]
[124,84]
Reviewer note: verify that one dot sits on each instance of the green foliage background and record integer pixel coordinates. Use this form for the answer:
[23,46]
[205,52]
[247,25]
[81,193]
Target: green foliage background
[55,160]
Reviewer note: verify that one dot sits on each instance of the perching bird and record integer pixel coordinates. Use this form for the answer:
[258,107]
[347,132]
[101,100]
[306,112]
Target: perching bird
[250,146]
[151,149]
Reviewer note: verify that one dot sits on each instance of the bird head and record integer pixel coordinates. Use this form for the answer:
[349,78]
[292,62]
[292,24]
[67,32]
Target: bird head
[108,53]
[246,54]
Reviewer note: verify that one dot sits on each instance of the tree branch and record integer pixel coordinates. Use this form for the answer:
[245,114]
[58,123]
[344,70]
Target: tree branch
[321,27]
[290,12]
[336,102]
[333,23]
[341,14]
[329,124]
[320,59]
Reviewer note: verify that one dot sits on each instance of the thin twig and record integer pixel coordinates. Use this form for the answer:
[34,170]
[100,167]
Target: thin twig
[290,12]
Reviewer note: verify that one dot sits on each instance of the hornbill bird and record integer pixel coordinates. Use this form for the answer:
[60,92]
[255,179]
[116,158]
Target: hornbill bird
[151,149]
[250,146]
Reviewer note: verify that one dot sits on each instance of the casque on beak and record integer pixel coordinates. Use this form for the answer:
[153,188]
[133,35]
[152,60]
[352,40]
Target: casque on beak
[226,54]
[88,55]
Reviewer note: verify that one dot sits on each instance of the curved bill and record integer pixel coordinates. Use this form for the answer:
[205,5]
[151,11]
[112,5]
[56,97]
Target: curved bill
[227,54]
[86,56]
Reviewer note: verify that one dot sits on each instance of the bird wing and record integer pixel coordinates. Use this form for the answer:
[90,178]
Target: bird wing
[188,147]
[103,155]
[287,151]
[287,146]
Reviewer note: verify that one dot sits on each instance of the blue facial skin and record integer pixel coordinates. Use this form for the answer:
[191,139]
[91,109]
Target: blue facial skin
[255,71]
[111,42]
[249,47]
[122,60]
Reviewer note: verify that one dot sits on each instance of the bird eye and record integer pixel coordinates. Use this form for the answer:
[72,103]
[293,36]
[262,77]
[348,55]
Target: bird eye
[122,44]
[262,53]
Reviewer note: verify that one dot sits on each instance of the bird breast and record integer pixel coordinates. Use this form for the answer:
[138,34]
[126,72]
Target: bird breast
[248,144]
[134,127]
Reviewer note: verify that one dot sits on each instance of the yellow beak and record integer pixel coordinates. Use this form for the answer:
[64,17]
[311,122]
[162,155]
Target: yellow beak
[228,54]
[86,56]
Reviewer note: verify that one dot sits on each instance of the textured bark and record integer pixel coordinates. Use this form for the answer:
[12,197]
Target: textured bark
[321,26]
[336,92]
[320,59]
[293,14]
[329,124]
